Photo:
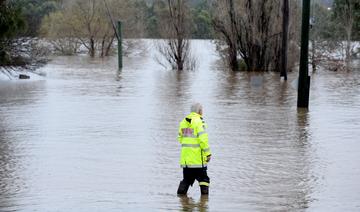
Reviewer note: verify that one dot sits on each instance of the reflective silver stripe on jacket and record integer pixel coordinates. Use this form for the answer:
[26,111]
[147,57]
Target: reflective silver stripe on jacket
[189,136]
[193,166]
[200,133]
[190,145]
[206,150]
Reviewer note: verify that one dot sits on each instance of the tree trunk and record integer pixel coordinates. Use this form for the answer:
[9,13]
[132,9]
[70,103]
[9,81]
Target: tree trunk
[313,55]
[108,48]
[180,65]
[103,47]
[92,47]
[234,65]
[233,47]
[348,47]
[179,58]
[348,28]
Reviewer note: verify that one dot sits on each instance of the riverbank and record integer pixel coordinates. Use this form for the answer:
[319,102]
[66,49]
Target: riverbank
[19,73]
[22,58]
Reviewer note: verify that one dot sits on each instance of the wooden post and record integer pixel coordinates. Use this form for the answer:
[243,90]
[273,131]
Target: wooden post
[304,78]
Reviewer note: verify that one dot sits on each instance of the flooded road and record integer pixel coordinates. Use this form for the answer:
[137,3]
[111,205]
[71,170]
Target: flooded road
[88,138]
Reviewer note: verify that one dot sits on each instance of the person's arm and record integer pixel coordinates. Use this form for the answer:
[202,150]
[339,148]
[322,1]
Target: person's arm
[179,134]
[204,141]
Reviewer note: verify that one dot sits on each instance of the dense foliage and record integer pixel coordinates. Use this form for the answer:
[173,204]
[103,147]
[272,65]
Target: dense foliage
[346,12]
[11,23]
[34,11]
[200,18]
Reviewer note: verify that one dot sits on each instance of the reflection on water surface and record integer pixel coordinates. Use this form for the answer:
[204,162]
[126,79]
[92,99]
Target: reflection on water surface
[90,138]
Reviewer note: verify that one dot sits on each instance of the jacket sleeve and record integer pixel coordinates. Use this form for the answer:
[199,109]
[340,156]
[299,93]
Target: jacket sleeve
[179,134]
[203,139]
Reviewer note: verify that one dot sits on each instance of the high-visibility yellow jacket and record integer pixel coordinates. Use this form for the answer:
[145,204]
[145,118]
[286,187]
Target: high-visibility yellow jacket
[194,142]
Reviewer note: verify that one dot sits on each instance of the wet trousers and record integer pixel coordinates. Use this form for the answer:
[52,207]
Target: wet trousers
[192,174]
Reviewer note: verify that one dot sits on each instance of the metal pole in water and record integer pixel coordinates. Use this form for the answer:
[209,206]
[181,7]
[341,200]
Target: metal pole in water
[117,34]
[285,32]
[120,45]
[304,78]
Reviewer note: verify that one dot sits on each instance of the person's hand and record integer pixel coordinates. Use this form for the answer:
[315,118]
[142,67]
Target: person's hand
[208,158]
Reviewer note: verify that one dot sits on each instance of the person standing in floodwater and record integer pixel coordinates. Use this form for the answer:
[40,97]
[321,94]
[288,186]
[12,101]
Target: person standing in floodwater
[195,151]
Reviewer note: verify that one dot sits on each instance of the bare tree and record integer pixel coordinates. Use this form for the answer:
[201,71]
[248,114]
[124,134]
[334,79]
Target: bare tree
[346,18]
[252,30]
[87,22]
[259,25]
[249,27]
[327,48]
[175,47]
[87,15]
[59,33]
[225,24]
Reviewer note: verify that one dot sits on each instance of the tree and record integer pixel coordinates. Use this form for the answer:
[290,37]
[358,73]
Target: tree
[57,29]
[87,22]
[199,13]
[347,17]
[247,27]
[225,24]
[201,19]
[11,20]
[252,31]
[11,23]
[323,42]
[33,12]
[152,21]
[175,47]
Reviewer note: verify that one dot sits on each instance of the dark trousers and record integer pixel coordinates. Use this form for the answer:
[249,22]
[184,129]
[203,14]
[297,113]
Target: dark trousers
[192,174]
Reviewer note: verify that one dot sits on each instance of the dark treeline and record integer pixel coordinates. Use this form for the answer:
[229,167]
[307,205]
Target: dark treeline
[200,27]
[20,21]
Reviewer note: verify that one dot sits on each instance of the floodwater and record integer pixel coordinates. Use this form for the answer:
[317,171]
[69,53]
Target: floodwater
[89,138]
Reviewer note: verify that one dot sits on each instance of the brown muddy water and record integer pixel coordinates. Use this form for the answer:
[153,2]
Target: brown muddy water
[89,138]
